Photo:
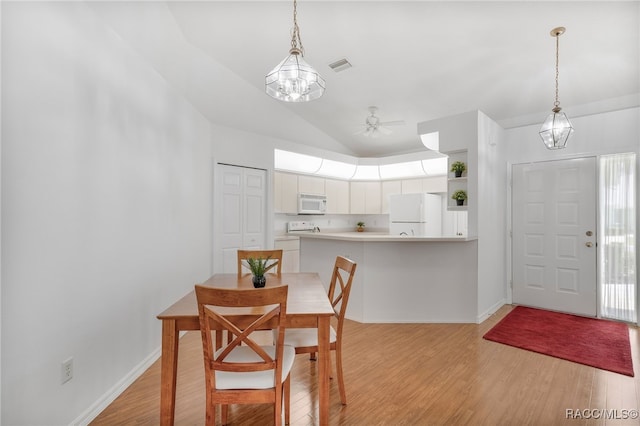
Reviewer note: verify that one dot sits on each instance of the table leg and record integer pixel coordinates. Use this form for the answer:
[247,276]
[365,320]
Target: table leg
[168,372]
[323,369]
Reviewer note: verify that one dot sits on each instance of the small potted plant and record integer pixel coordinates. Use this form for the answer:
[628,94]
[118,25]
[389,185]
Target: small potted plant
[258,268]
[360,226]
[459,196]
[458,168]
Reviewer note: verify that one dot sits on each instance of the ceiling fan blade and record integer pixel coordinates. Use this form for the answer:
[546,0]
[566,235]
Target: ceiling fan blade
[384,130]
[392,123]
[361,131]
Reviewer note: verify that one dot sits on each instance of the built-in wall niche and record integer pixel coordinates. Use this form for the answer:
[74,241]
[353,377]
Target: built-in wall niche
[455,183]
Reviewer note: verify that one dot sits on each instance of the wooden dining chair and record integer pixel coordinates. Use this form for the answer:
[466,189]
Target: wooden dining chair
[305,340]
[274,256]
[243,371]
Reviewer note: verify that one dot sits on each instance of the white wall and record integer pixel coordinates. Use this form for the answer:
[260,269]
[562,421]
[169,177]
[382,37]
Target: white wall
[105,209]
[607,133]
[492,225]
[0,214]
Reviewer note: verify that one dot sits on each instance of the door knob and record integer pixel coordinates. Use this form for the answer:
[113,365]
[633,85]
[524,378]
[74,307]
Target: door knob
[589,244]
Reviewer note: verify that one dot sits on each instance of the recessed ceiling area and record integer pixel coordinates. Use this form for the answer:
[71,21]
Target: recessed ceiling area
[416,61]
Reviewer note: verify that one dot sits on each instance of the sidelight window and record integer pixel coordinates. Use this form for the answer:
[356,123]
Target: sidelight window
[617,243]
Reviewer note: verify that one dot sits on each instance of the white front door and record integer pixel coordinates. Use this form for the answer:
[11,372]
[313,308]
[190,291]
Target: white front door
[554,235]
[240,213]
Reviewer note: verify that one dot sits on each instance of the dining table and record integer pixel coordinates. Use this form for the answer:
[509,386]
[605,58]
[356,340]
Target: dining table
[307,307]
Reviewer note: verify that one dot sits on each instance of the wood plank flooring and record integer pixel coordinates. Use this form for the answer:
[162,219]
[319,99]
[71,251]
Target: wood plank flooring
[413,374]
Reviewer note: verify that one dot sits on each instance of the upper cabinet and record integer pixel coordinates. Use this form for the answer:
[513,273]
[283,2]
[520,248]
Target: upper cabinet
[432,184]
[411,186]
[348,197]
[285,192]
[311,185]
[366,198]
[457,184]
[389,187]
[337,192]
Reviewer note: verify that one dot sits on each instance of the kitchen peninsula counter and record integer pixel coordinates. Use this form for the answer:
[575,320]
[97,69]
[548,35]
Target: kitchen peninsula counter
[379,237]
[402,279]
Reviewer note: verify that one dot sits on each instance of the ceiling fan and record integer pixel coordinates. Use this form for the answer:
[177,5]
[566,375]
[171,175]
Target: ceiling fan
[373,127]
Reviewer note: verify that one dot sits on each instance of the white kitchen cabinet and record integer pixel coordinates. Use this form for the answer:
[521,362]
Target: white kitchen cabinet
[389,187]
[412,186]
[454,223]
[337,192]
[285,192]
[290,247]
[366,197]
[357,198]
[433,184]
[311,185]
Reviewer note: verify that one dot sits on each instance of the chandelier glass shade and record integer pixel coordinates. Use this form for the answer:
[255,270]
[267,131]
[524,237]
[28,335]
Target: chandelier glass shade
[557,128]
[293,79]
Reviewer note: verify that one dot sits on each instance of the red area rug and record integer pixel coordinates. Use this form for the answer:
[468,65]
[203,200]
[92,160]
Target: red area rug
[595,342]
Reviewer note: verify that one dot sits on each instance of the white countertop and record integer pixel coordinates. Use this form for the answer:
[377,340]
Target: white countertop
[378,237]
[286,237]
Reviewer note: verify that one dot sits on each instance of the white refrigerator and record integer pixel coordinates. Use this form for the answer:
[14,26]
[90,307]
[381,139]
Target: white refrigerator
[418,215]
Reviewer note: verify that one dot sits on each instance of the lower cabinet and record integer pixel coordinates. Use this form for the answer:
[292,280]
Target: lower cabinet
[454,223]
[290,253]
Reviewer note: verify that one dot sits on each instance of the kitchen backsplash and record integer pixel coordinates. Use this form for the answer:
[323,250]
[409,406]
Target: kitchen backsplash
[333,223]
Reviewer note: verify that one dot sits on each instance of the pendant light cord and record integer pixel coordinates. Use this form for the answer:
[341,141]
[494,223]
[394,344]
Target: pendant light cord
[295,36]
[557,103]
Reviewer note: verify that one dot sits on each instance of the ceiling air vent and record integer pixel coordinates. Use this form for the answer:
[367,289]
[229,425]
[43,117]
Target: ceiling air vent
[340,65]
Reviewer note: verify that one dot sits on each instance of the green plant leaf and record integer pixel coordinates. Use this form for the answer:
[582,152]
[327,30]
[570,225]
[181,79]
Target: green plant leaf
[258,266]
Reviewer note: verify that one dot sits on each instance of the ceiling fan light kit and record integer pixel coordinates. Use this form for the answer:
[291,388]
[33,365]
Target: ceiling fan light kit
[557,128]
[293,79]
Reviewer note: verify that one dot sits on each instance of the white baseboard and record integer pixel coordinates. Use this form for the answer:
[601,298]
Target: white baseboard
[490,311]
[97,407]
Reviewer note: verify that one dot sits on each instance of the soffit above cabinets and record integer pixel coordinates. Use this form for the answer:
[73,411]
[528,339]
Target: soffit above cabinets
[387,168]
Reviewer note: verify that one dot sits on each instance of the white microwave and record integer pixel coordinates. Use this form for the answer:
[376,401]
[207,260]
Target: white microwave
[312,204]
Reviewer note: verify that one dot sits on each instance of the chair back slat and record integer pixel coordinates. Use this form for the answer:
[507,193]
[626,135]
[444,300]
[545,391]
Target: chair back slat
[274,256]
[340,287]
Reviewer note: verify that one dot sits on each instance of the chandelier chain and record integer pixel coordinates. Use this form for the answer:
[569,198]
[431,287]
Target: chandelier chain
[295,36]
[557,103]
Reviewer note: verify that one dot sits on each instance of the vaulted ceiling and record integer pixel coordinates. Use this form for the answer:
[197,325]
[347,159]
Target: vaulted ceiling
[416,61]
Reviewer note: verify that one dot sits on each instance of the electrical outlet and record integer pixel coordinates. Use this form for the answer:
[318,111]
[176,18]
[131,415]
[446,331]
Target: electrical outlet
[66,371]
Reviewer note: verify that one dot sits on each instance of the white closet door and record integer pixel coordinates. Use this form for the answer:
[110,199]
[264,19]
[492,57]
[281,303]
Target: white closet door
[239,213]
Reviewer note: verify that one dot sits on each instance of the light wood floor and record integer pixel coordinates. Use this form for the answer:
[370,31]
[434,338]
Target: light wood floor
[412,374]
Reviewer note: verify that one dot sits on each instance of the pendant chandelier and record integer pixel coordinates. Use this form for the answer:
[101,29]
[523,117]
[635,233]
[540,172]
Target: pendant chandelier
[557,128]
[293,79]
